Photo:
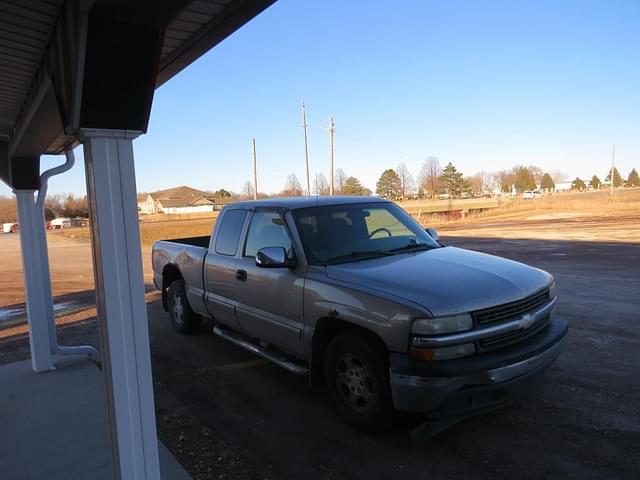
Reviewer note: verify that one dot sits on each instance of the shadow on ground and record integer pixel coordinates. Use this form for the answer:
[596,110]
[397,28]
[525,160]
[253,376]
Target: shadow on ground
[225,413]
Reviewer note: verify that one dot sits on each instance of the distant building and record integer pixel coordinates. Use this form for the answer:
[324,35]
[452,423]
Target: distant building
[60,223]
[10,227]
[180,200]
[562,186]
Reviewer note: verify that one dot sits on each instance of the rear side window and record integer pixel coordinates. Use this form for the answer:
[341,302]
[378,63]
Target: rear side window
[229,232]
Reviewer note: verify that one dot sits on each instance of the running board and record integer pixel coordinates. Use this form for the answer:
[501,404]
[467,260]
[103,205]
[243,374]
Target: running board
[276,357]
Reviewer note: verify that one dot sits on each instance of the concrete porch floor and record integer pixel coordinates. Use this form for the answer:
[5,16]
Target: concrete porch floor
[54,425]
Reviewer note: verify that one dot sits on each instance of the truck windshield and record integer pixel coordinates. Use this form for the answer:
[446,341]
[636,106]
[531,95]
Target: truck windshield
[355,232]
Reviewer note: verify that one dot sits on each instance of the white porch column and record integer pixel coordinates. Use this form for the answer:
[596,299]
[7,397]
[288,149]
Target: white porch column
[38,297]
[122,313]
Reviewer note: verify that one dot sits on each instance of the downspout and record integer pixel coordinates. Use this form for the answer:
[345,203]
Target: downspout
[53,337]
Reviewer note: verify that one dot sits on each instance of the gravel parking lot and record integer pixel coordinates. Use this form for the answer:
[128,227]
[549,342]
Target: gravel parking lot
[227,414]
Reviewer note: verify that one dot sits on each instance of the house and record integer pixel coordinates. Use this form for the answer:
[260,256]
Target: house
[180,200]
[562,186]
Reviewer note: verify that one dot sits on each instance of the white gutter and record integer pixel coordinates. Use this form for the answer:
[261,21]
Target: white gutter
[53,337]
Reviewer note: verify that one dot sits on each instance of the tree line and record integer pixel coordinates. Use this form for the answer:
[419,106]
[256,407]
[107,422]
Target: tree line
[55,206]
[343,184]
[433,180]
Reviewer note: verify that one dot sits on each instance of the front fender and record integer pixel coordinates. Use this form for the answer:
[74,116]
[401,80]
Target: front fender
[389,319]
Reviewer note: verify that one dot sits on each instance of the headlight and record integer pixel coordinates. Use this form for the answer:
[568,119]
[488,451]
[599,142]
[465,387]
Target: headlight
[439,325]
[552,291]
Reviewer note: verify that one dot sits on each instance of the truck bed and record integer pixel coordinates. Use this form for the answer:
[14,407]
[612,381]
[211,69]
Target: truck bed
[185,254]
[195,241]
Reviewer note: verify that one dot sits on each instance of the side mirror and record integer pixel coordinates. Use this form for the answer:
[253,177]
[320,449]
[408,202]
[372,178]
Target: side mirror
[274,257]
[433,233]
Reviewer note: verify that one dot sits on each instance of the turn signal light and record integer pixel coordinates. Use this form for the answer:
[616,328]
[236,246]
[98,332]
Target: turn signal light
[444,353]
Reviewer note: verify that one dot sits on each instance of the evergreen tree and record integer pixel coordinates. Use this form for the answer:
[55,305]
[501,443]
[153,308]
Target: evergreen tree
[633,180]
[578,184]
[617,179]
[547,183]
[451,180]
[595,182]
[352,186]
[388,185]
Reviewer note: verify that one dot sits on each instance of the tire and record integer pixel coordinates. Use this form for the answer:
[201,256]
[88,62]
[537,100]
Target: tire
[183,319]
[357,376]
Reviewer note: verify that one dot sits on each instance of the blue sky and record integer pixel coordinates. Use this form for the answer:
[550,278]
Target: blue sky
[483,84]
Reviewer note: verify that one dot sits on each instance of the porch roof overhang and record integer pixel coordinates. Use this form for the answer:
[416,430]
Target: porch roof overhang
[63,65]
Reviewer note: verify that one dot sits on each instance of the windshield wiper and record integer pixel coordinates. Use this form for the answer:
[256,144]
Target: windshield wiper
[411,246]
[360,255]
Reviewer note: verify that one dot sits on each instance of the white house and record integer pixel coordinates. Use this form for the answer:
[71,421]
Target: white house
[9,227]
[60,223]
[562,186]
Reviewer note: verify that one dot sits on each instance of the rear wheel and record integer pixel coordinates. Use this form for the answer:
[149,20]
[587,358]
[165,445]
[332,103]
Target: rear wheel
[357,376]
[183,319]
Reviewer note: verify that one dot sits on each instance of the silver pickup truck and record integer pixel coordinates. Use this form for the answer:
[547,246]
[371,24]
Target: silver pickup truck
[353,291]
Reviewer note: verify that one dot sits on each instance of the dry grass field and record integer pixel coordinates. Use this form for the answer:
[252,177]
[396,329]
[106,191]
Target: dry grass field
[153,229]
[587,216]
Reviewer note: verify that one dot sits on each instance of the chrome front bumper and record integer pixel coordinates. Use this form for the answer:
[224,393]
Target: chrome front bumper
[477,389]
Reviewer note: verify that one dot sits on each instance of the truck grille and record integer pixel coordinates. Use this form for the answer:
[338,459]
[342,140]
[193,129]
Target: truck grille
[504,339]
[512,309]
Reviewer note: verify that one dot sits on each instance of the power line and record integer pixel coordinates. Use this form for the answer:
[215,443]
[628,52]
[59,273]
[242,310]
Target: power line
[367,142]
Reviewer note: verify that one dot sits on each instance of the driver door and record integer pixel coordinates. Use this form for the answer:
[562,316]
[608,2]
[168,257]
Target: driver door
[270,299]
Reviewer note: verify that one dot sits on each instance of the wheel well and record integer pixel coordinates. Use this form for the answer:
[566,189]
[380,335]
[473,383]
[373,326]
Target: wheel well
[170,273]
[327,329]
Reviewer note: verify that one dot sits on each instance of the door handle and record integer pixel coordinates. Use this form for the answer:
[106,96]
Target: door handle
[241,275]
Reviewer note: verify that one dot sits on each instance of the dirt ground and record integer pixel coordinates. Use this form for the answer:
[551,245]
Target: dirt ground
[70,262]
[227,414]
[581,226]
[584,217]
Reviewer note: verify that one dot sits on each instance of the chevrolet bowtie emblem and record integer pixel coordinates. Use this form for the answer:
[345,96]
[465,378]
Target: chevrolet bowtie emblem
[526,320]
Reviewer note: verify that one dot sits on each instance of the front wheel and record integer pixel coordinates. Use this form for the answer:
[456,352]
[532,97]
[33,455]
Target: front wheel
[357,376]
[183,319]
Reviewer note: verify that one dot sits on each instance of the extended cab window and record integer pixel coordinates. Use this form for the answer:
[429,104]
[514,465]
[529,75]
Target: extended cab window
[229,232]
[266,230]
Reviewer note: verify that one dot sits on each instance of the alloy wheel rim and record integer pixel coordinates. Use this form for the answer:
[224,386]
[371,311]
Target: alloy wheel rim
[354,382]
[178,308]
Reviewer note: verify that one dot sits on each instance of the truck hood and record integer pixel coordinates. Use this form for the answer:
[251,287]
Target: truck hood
[445,280]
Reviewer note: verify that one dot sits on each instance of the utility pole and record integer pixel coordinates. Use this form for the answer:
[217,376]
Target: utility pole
[331,131]
[255,172]
[613,166]
[306,148]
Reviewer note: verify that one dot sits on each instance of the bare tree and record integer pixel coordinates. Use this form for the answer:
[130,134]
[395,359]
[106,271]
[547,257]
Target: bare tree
[406,180]
[537,173]
[505,179]
[489,181]
[320,184]
[559,176]
[247,190]
[292,187]
[8,213]
[339,179]
[475,184]
[429,174]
